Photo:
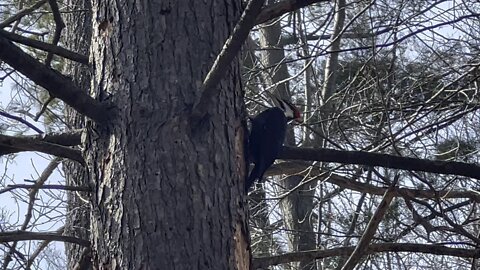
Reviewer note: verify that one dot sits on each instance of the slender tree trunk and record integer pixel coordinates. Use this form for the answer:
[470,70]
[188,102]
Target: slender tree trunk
[168,192]
[296,207]
[331,65]
[273,57]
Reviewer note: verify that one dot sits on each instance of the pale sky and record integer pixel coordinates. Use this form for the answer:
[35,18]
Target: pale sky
[26,165]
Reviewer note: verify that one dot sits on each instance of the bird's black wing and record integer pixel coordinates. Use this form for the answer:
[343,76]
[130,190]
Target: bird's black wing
[266,138]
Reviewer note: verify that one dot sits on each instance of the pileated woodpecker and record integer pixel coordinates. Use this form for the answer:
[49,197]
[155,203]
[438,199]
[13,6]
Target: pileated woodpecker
[267,136]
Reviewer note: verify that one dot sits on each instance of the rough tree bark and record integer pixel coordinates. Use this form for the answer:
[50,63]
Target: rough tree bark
[167,190]
[78,35]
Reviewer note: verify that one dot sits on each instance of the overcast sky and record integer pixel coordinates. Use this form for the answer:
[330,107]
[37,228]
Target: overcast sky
[25,166]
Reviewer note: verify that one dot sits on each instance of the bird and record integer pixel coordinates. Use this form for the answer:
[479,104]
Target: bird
[266,137]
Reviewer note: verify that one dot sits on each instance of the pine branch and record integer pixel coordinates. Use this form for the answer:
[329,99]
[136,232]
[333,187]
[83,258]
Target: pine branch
[372,227]
[264,262]
[32,194]
[16,144]
[51,236]
[57,187]
[37,44]
[382,160]
[278,9]
[38,250]
[304,169]
[69,138]
[22,13]
[56,84]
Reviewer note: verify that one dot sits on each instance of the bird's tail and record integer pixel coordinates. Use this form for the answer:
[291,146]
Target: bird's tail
[257,173]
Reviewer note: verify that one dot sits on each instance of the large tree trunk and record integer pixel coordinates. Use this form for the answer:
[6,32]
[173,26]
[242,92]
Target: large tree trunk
[167,190]
[77,38]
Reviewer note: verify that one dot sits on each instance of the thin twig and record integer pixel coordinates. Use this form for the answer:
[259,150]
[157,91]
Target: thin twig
[57,187]
[39,249]
[32,197]
[372,226]
[382,160]
[22,13]
[21,120]
[264,262]
[52,236]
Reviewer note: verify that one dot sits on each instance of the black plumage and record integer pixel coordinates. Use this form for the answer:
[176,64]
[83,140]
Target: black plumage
[265,140]
[267,136]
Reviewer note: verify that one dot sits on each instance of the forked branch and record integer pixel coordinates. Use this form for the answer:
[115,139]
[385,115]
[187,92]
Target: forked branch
[55,83]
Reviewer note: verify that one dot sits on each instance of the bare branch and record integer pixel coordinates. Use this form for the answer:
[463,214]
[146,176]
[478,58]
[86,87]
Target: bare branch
[37,44]
[59,25]
[22,13]
[15,144]
[289,40]
[382,160]
[372,226]
[32,197]
[21,120]
[69,138]
[51,236]
[458,228]
[56,84]
[403,38]
[58,187]
[300,168]
[39,249]
[229,51]
[44,108]
[264,262]
[278,9]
